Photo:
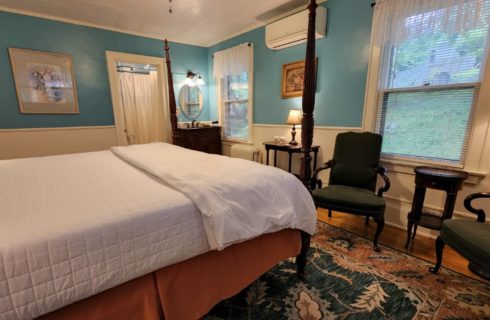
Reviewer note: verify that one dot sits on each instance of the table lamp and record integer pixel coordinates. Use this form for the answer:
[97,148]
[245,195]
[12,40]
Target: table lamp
[294,118]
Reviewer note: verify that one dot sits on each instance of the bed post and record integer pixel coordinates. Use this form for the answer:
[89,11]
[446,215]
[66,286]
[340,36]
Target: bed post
[307,124]
[301,258]
[171,94]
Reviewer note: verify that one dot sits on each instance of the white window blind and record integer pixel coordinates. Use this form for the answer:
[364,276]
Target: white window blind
[235,111]
[433,61]
[233,70]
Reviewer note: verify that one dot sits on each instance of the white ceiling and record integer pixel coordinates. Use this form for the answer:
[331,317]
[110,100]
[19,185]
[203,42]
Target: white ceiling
[198,22]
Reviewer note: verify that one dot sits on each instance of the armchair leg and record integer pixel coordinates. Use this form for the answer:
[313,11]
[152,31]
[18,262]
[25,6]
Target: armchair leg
[439,248]
[380,225]
[329,213]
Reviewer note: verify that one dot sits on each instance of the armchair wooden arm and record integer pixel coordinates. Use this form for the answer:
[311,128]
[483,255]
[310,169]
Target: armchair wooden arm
[315,182]
[479,212]
[382,172]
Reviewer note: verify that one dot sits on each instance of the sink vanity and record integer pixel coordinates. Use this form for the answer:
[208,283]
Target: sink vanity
[196,136]
[206,139]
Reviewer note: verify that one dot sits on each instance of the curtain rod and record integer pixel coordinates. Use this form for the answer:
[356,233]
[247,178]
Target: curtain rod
[248,44]
[137,70]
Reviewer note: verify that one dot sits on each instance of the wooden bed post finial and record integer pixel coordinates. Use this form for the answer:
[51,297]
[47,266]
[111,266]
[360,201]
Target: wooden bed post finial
[171,94]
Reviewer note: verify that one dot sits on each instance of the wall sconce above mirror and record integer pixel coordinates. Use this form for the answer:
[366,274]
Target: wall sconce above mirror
[194,79]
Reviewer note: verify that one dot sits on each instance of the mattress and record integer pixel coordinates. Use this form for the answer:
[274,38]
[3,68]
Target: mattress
[75,225]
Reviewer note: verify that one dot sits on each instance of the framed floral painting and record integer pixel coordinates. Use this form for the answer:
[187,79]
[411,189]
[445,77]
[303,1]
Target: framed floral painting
[44,81]
[293,75]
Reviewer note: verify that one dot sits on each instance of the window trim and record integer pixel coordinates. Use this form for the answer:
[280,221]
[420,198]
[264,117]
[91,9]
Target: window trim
[479,134]
[433,88]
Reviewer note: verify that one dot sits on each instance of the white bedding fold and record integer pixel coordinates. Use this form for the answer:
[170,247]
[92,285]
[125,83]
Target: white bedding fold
[238,199]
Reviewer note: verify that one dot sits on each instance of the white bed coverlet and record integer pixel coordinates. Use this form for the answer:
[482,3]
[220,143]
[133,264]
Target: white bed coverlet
[74,225]
[239,199]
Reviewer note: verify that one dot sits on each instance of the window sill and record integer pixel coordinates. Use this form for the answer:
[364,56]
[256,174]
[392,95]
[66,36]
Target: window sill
[230,142]
[407,167]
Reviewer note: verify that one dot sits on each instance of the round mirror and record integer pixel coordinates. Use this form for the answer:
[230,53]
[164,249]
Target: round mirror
[190,101]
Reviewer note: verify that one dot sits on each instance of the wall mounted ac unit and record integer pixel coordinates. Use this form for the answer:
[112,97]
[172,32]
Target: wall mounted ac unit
[293,30]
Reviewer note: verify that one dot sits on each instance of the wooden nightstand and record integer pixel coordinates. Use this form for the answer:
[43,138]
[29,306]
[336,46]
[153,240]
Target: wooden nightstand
[444,179]
[286,147]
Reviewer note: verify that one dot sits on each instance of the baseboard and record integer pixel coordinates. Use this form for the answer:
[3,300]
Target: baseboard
[396,217]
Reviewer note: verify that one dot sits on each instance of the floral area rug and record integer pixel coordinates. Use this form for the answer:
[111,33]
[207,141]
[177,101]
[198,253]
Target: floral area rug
[346,279]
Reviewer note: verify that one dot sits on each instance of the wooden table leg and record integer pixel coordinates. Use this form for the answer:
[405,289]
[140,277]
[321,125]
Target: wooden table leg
[275,158]
[314,160]
[417,204]
[449,205]
[289,163]
[267,157]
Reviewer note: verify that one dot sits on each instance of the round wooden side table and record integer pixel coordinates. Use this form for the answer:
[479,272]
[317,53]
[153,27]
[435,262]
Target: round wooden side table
[445,179]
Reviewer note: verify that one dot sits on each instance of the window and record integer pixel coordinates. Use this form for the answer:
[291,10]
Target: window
[235,107]
[232,69]
[431,69]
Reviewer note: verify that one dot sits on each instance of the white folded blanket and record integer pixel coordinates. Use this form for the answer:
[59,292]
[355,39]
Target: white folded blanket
[238,199]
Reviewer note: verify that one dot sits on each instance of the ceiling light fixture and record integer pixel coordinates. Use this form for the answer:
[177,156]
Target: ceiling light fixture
[170,6]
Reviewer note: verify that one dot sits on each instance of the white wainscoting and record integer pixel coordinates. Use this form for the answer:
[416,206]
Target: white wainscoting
[25,143]
[399,198]
[21,143]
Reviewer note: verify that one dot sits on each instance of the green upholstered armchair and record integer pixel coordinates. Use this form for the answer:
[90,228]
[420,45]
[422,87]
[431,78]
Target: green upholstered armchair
[353,175]
[469,238]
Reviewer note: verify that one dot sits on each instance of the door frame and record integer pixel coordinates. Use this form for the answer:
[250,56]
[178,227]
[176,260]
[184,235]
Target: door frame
[117,105]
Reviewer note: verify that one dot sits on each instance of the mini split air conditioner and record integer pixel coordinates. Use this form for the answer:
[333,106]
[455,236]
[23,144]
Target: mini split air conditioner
[293,30]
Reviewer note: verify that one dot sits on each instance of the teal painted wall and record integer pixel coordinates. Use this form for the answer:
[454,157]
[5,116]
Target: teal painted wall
[342,68]
[87,47]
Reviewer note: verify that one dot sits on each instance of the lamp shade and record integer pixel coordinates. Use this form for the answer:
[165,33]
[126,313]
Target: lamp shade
[200,81]
[294,116]
[189,82]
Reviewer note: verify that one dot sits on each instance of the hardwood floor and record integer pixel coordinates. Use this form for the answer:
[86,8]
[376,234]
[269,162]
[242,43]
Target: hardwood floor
[423,247]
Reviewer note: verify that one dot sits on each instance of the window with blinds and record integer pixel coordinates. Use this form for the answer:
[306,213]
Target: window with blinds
[235,94]
[429,84]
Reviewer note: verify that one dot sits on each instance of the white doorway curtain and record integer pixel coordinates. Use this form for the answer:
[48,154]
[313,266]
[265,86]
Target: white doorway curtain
[145,115]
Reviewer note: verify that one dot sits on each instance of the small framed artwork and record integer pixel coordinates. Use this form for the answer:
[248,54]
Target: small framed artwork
[293,75]
[44,81]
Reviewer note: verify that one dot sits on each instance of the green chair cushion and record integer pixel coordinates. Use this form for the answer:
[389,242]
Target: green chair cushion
[470,239]
[349,199]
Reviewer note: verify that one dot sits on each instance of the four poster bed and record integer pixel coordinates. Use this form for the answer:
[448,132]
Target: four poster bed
[114,256]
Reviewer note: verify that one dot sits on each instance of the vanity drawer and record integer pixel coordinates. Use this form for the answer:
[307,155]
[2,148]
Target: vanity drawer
[205,139]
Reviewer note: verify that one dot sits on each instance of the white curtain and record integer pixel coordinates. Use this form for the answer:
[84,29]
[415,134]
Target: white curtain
[144,113]
[233,61]
[397,21]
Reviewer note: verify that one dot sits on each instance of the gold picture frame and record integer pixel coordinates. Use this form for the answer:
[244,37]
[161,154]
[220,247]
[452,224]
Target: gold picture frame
[44,81]
[292,79]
